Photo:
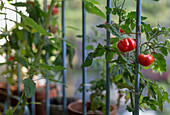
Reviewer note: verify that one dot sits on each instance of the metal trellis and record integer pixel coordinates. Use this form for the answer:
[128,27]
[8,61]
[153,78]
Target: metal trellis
[108,65]
[84,73]
[138,37]
[64,54]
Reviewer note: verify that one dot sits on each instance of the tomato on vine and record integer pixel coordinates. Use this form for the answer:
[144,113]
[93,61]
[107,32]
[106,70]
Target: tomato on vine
[126,45]
[145,60]
[122,31]
[54,11]
[52,29]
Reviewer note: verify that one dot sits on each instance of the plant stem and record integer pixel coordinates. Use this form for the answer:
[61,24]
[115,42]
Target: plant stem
[40,46]
[18,102]
[23,104]
[131,97]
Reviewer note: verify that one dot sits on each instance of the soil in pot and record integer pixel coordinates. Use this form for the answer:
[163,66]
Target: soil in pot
[76,108]
[40,95]
[14,101]
[56,105]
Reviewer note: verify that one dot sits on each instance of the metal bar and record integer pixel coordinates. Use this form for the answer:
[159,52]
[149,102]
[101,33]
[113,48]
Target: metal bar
[18,65]
[138,37]
[108,65]
[46,75]
[84,70]
[32,100]
[7,101]
[47,85]
[64,61]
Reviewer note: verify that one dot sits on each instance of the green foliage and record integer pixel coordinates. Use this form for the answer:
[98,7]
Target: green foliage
[29,87]
[91,8]
[9,111]
[123,65]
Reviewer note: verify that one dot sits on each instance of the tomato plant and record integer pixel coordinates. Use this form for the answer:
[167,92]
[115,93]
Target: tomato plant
[55,10]
[52,29]
[145,60]
[123,69]
[126,45]
[122,31]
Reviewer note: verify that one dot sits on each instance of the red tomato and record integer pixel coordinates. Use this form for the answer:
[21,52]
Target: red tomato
[126,45]
[145,60]
[122,31]
[52,29]
[11,58]
[54,11]
[112,22]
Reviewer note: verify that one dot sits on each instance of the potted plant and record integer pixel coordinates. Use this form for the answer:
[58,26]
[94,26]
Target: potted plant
[121,56]
[96,105]
[28,37]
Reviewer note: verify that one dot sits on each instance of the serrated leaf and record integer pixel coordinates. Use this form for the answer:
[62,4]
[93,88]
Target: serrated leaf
[164,51]
[30,22]
[91,8]
[29,87]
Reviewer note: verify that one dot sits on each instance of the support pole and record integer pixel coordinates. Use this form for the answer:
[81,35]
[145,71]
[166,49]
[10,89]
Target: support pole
[138,37]
[108,65]
[64,54]
[84,70]
[46,75]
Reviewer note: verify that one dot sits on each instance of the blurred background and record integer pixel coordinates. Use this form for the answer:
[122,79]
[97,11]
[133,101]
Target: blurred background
[157,13]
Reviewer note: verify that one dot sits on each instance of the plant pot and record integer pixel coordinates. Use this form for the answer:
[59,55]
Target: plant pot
[76,108]
[56,105]
[40,95]
[14,101]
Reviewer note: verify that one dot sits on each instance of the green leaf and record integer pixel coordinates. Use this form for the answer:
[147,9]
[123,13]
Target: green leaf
[9,111]
[29,87]
[130,109]
[153,107]
[109,55]
[89,47]
[74,28]
[89,60]
[99,51]
[48,67]
[2,5]
[115,32]
[164,51]
[91,8]
[57,81]
[160,62]
[94,2]
[118,77]
[23,61]
[30,22]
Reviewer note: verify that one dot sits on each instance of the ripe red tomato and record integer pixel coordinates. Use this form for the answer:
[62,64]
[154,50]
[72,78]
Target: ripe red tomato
[55,10]
[122,31]
[145,60]
[126,45]
[11,58]
[52,29]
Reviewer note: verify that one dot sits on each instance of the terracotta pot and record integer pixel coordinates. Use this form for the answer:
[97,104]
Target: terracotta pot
[76,108]
[56,105]
[40,95]
[14,101]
